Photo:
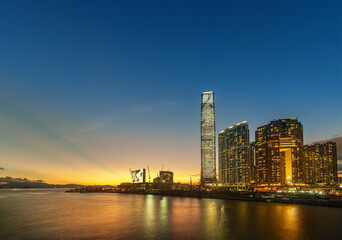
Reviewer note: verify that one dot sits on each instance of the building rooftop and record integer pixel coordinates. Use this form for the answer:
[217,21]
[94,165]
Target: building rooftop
[244,122]
[283,119]
[279,119]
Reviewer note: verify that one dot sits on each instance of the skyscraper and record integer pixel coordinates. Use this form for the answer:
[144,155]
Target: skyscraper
[208,138]
[279,152]
[253,160]
[234,156]
[320,164]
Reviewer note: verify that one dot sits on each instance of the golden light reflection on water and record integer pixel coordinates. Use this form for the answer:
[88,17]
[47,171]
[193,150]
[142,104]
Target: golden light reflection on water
[185,217]
[291,218]
[149,215]
[43,214]
[164,212]
[210,218]
[290,224]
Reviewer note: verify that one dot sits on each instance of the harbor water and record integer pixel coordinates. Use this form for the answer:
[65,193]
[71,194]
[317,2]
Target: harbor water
[53,214]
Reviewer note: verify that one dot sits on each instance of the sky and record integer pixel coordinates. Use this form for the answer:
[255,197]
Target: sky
[89,89]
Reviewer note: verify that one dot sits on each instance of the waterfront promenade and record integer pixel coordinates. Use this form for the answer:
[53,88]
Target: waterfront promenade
[276,197]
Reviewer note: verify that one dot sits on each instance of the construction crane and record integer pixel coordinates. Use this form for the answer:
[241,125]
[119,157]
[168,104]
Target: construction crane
[162,167]
[149,175]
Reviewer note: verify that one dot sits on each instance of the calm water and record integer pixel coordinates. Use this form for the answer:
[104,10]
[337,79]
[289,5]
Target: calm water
[53,214]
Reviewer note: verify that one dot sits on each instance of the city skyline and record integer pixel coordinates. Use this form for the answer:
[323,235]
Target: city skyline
[244,177]
[88,91]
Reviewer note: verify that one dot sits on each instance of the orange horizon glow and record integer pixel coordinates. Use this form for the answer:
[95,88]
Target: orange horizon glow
[103,182]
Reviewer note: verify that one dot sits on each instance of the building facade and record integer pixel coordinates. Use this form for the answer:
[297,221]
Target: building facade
[253,160]
[279,152]
[208,138]
[164,181]
[234,156]
[320,164]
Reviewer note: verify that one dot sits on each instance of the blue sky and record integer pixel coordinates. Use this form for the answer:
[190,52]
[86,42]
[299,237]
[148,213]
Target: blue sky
[94,77]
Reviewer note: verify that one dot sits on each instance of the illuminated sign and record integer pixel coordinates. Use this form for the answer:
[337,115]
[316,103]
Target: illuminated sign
[138,176]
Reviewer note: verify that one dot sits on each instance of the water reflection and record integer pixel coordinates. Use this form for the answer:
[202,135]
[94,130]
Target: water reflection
[149,216]
[291,222]
[55,215]
[184,218]
[218,219]
[164,212]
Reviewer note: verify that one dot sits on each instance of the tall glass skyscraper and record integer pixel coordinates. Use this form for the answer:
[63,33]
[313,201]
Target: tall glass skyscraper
[234,156]
[208,138]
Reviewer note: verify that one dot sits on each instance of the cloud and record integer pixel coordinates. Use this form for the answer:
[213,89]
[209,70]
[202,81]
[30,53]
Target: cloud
[1,168]
[99,123]
[337,135]
[22,180]
[338,141]
[154,107]
[140,115]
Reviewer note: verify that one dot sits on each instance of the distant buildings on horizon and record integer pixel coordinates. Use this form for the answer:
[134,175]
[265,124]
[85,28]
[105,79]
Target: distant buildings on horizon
[277,157]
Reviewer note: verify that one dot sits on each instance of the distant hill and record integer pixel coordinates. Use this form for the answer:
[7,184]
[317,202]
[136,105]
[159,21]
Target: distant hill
[10,182]
[37,185]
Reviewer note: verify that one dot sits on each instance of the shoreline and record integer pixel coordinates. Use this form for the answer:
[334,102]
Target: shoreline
[270,197]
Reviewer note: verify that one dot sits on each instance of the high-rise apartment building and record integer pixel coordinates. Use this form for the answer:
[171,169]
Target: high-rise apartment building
[279,152]
[208,138]
[320,164]
[312,163]
[253,160]
[234,156]
[261,161]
